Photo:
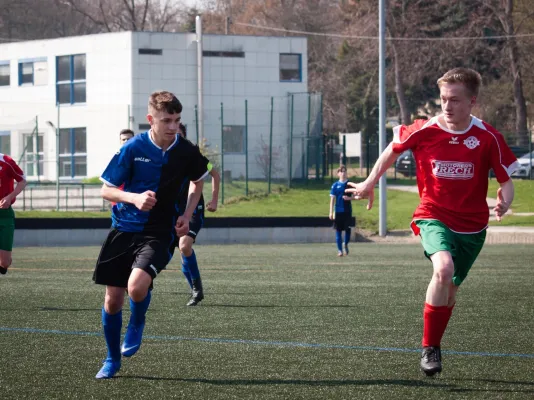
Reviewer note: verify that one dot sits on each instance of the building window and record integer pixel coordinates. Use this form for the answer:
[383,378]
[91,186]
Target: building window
[33,72]
[5,142]
[4,73]
[151,52]
[290,68]
[144,127]
[234,139]
[33,154]
[73,153]
[70,77]
[231,54]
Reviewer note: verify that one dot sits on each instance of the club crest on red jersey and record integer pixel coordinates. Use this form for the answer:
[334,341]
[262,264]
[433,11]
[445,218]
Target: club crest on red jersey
[471,142]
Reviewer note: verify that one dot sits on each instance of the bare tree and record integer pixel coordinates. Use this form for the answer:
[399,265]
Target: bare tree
[503,10]
[269,160]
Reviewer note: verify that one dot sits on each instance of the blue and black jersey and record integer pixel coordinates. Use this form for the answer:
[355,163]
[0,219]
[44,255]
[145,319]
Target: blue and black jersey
[338,191]
[142,165]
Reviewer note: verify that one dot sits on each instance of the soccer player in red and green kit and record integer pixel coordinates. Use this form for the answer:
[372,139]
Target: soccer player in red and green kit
[454,153]
[9,172]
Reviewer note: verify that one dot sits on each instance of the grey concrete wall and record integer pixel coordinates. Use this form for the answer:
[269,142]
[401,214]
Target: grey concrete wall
[95,237]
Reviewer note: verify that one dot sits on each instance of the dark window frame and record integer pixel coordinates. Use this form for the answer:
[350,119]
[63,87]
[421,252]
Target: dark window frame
[150,52]
[7,65]
[243,140]
[72,82]
[72,154]
[299,80]
[228,54]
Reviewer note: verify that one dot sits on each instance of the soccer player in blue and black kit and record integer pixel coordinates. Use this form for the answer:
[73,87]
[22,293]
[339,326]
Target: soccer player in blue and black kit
[154,166]
[343,210]
[189,259]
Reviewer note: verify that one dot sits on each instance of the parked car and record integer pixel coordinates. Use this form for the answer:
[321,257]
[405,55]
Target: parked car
[518,151]
[526,166]
[405,164]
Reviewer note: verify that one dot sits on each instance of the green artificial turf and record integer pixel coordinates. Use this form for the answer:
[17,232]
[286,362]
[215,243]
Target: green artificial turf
[280,321]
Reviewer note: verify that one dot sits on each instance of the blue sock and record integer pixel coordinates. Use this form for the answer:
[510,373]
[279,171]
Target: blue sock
[138,309]
[338,240]
[186,273]
[347,236]
[112,325]
[190,263]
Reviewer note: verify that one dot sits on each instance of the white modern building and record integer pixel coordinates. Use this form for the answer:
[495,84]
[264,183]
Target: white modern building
[87,88]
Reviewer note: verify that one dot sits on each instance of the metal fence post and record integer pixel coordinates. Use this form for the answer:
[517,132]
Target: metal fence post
[246,147]
[66,198]
[291,121]
[83,197]
[196,122]
[222,153]
[271,145]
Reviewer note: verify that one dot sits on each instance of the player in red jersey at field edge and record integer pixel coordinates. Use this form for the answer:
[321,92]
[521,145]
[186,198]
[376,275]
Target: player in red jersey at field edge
[454,153]
[9,172]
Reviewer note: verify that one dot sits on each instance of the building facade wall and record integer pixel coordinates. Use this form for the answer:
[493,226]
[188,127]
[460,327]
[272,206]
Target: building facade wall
[122,69]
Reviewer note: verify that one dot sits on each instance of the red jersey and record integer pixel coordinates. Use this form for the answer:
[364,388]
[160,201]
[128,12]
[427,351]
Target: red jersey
[9,171]
[121,187]
[452,170]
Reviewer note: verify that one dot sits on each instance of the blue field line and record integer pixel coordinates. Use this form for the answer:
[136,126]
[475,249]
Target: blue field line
[271,343]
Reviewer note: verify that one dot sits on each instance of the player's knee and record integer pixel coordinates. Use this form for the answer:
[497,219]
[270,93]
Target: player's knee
[443,267]
[113,304]
[186,248]
[137,292]
[443,274]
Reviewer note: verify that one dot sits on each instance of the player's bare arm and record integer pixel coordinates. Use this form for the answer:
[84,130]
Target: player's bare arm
[6,201]
[505,196]
[182,224]
[365,189]
[143,201]
[215,182]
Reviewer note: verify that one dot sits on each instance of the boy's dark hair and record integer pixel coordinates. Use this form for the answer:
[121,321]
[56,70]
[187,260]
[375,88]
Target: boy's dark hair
[164,101]
[126,132]
[342,167]
[183,129]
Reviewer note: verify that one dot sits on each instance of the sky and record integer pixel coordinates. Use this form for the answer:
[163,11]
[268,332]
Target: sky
[190,3]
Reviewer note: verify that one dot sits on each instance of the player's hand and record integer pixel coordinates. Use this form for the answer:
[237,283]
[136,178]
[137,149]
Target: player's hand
[360,191]
[5,202]
[145,201]
[502,206]
[331,216]
[212,205]
[182,226]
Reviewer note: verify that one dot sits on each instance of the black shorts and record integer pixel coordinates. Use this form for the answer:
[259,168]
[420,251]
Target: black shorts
[124,251]
[195,225]
[342,221]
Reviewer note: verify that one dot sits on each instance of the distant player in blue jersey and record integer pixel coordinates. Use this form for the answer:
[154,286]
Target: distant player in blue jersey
[154,167]
[189,259]
[342,216]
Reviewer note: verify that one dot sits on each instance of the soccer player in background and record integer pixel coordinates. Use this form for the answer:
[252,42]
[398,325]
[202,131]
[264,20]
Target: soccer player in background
[454,153]
[9,172]
[145,223]
[189,260]
[125,135]
[342,216]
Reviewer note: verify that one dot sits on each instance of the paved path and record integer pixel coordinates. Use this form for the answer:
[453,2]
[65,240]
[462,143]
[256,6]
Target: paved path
[491,201]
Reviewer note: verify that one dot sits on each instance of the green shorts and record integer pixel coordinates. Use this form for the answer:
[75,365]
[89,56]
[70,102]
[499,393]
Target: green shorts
[464,248]
[7,228]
